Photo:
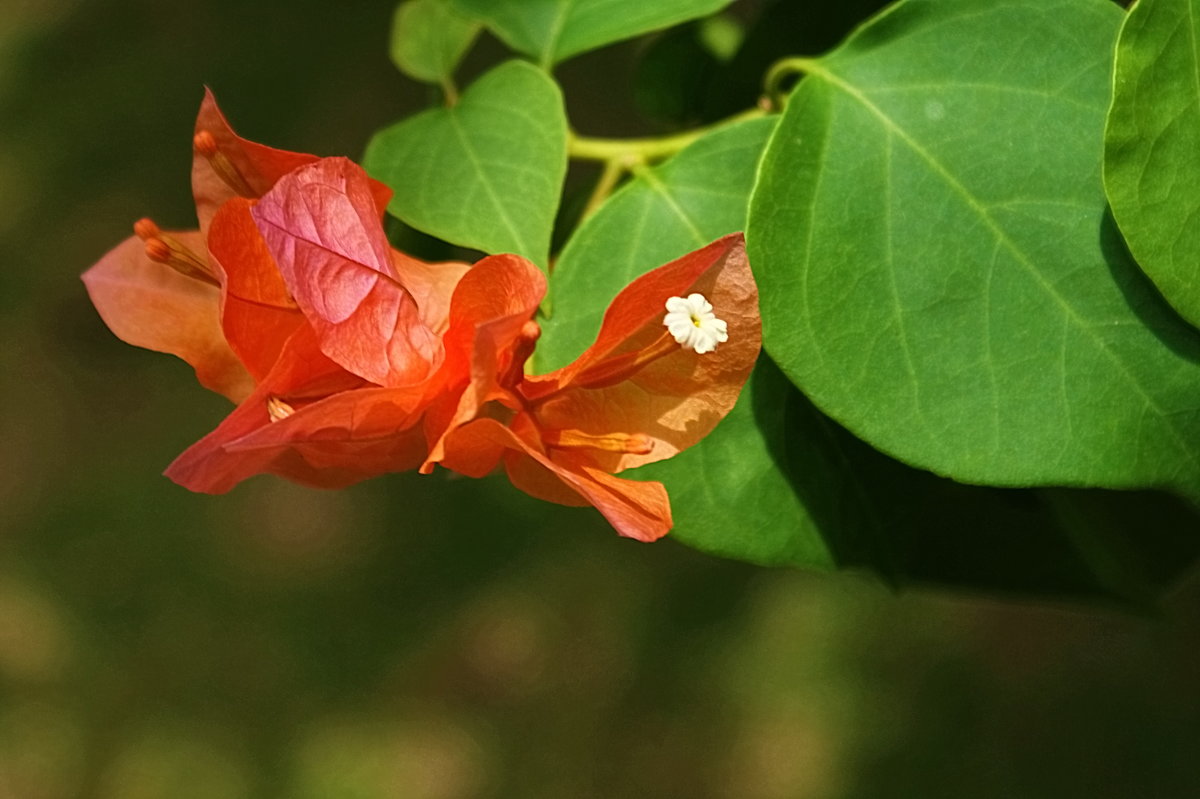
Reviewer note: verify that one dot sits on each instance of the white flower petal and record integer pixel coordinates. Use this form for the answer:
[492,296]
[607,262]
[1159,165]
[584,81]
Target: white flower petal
[693,325]
[678,305]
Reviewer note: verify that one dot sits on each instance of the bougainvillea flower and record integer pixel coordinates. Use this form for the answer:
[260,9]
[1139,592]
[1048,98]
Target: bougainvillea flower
[647,388]
[344,399]
[211,297]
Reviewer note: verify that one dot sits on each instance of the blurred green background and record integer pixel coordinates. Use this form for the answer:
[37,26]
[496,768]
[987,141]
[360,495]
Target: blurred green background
[427,637]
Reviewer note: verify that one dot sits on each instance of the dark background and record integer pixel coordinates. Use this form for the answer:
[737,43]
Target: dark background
[427,637]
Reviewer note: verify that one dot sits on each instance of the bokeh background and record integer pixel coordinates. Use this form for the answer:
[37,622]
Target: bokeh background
[428,637]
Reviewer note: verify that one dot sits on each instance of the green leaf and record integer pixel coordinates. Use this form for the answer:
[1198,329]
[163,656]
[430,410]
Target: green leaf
[937,268]
[778,483]
[429,38]
[553,30]
[1152,146]
[485,173]
[697,196]
[913,527]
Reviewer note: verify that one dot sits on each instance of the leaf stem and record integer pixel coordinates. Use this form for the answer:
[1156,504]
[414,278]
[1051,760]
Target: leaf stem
[632,151]
[631,155]
[781,71]
[613,170]
[450,92]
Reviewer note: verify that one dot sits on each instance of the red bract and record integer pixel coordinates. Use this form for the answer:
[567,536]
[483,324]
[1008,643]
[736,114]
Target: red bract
[634,397]
[343,400]
[257,313]
[210,297]
[310,421]
[360,296]
[233,305]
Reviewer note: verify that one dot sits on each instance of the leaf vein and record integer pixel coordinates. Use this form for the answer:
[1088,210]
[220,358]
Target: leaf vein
[1018,254]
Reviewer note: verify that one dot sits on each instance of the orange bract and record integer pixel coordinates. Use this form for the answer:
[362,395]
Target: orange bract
[323,229]
[148,304]
[632,398]
[351,359]
[167,292]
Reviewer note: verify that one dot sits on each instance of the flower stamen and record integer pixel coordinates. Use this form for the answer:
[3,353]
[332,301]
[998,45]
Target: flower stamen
[278,410]
[206,145]
[632,443]
[165,249]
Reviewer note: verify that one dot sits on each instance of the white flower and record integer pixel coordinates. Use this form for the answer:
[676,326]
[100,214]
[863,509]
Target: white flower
[693,324]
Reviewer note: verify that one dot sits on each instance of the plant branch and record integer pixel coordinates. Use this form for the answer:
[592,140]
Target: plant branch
[619,156]
[781,71]
[613,170]
[633,151]
[450,92]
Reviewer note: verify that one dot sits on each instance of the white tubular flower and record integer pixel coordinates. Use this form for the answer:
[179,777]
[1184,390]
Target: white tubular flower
[693,324]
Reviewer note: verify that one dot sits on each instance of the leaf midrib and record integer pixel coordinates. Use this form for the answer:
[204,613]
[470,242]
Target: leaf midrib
[555,33]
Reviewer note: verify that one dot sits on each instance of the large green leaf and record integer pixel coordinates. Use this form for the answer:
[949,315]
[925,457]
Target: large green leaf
[552,30]
[937,268]
[778,483]
[1152,146]
[429,38]
[485,173]
[914,527]
[684,203]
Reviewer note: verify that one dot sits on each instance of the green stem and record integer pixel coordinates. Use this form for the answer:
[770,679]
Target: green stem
[784,69]
[632,155]
[450,91]
[613,170]
[633,151]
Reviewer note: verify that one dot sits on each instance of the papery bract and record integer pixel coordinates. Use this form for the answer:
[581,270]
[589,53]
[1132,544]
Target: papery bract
[490,336]
[170,293]
[677,399]
[224,165]
[258,315]
[148,304]
[634,397]
[344,400]
[310,421]
[323,229]
[219,299]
